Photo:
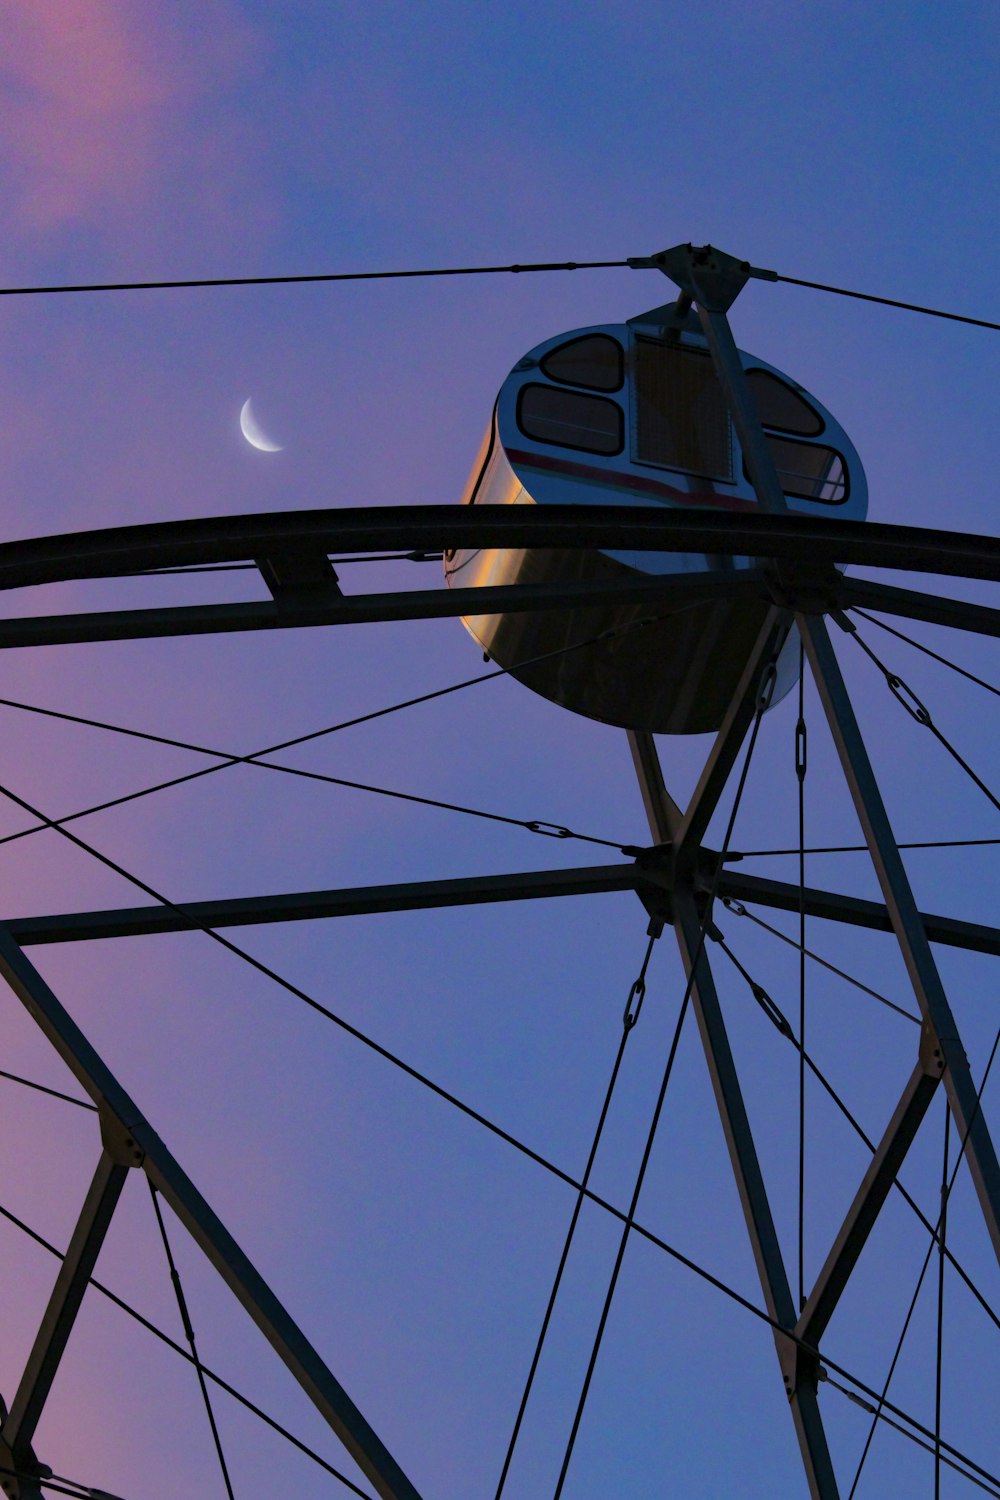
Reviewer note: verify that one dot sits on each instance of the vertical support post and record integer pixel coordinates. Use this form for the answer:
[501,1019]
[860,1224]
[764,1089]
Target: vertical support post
[906,920]
[800,1373]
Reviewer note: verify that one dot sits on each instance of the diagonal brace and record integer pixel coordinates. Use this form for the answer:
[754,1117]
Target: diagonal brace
[871,1195]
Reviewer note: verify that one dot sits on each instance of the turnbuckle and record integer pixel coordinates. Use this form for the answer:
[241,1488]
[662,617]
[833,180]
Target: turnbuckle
[637,994]
[905,695]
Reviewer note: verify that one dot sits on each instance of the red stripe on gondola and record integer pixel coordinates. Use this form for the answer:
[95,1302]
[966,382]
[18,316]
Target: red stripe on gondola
[694,498]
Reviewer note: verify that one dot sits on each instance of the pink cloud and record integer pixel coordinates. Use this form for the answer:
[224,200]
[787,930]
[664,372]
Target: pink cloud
[103,108]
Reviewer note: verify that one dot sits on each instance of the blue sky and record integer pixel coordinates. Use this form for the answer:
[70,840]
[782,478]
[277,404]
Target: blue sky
[837,142]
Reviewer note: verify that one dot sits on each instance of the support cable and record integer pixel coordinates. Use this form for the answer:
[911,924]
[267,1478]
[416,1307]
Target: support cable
[919,646]
[641,263]
[633,1006]
[898,1427]
[946,1194]
[739,910]
[917,711]
[840,291]
[801,761]
[226,759]
[628,1220]
[210,281]
[164,1338]
[377,1047]
[939,1361]
[862,848]
[43,1088]
[60,1485]
[272,974]
[782,1025]
[641,1230]
[182,1308]
[763,699]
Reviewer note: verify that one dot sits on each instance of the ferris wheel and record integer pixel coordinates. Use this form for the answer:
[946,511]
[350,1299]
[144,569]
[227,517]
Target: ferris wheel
[656,535]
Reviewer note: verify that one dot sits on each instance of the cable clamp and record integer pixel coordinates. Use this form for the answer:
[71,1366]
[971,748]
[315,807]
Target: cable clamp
[736,907]
[550,830]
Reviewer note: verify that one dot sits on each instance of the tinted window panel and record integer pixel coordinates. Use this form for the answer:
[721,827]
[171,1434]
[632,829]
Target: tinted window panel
[681,416]
[570,420]
[780,406]
[809,470]
[595,361]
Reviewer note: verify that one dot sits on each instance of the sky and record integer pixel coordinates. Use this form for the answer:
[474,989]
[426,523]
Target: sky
[838,142]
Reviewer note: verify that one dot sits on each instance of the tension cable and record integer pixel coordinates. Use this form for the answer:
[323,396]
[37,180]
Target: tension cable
[905,695]
[182,1308]
[630,1016]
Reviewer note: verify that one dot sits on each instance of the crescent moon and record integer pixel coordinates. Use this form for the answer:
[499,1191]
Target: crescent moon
[253,433]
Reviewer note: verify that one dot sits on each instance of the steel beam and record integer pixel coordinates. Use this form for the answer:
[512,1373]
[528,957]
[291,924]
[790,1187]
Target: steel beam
[302,906]
[906,920]
[18,1428]
[739,717]
[323,1389]
[800,1377]
[884,598]
[121,550]
[860,1220]
[782,895]
[658,591]
[746,419]
[662,813]
[651,876]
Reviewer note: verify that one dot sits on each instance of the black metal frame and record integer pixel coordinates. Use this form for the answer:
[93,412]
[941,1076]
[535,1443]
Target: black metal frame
[798,574]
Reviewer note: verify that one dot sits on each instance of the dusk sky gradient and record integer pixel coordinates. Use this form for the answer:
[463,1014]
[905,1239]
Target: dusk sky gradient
[840,142]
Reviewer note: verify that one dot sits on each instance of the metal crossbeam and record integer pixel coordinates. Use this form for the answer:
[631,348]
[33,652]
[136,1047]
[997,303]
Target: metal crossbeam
[885,598]
[834,906]
[299,906]
[648,876]
[365,609]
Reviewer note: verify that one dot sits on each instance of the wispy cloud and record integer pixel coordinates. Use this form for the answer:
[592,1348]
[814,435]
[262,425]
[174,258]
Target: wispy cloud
[112,112]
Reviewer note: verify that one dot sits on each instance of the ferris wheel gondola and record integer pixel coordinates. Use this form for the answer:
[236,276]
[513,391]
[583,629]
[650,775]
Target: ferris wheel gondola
[628,414]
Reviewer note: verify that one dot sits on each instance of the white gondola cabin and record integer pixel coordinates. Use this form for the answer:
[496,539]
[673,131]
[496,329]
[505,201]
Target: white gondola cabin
[634,414]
